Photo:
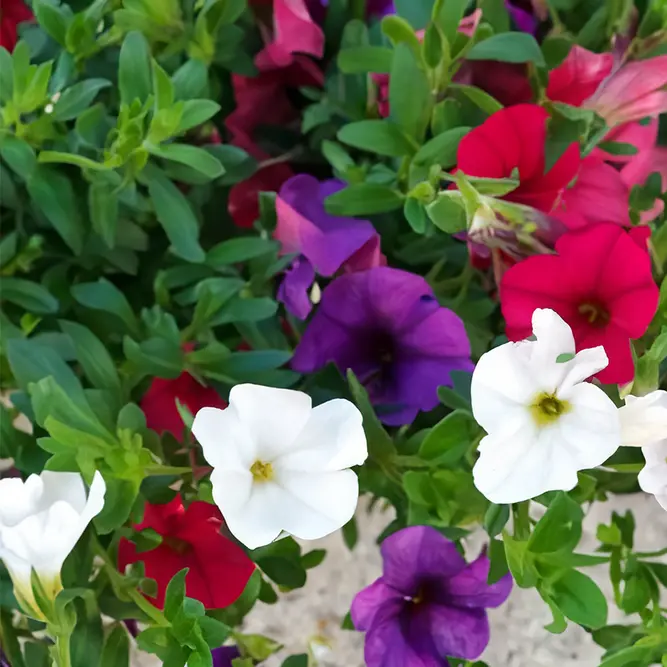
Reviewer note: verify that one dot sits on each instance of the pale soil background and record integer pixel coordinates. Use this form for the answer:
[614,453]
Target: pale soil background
[518,638]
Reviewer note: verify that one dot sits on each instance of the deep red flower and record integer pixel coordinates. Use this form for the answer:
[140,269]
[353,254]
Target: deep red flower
[600,283]
[507,82]
[219,569]
[159,402]
[515,138]
[578,76]
[12,12]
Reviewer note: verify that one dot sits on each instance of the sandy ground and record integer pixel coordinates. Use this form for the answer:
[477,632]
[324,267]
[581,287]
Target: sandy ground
[518,637]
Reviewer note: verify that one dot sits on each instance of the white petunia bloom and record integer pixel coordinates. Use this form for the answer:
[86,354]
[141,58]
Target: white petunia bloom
[41,520]
[280,465]
[544,423]
[653,477]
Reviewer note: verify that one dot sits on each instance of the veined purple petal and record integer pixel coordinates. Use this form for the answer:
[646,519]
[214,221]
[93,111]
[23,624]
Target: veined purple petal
[293,290]
[378,598]
[461,633]
[523,19]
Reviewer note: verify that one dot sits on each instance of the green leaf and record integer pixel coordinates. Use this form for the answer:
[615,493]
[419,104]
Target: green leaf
[350,533]
[77,98]
[6,75]
[410,99]
[163,88]
[449,17]
[191,80]
[239,366]
[399,31]
[119,499]
[29,295]
[235,251]
[580,599]
[134,69]
[377,136]
[313,558]
[155,357]
[628,657]
[414,213]
[116,651]
[19,155]
[103,207]
[558,625]
[618,148]
[362,59]
[508,47]
[448,213]
[364,199]
[496,519]
[54,18]
[478,97]
[495,14]
[196,112]
[448,441]
[560,528]
[52,193]
[520,562]
[192,156]
[176,217]
[296,661]
[442,148]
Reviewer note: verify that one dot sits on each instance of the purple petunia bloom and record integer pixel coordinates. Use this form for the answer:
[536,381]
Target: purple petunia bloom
[428,604]
[325,243]
[523,18]
[222,657]
[387,326]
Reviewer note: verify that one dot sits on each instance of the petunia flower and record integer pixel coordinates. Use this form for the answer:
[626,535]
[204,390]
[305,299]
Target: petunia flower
[12,13]
[544,423]
[644,419]
[653,476]
[578,76]
[428,604]
[325,243]
[223,656]
[514,139]
[41,520]
[281,465]
[387,326]
[218,568]
[159,402]
[599,282]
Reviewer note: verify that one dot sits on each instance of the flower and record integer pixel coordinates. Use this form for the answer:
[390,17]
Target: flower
[325,243]
[41,520]
[600,283]
[387,326]
[644,419]
[281,465]
[428,603]
[544,423]
[12,12]
[159,402]
[578,76]
[523,17]
[653,477]
[218,568]
[514,139]
[222,657]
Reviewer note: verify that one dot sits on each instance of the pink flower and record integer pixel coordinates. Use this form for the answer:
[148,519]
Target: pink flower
[12,12]
[578,76]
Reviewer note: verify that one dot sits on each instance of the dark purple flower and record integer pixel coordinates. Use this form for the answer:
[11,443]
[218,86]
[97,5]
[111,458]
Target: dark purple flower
[325,243]
[386,325]
[222,657]
[428,604]
[522,18]
[4,660]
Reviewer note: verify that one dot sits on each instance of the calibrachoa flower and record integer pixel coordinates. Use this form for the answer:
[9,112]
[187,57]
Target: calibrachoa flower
[41,520]
[222,657]
[428,604]
[544,423]
[514,139]
[12,12]
[599,282]
[387,326]
[281,465]
[325,243]
[218,568]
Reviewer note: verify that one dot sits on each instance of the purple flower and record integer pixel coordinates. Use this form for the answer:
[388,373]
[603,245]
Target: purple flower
[4,660]
[522,18]
[222,657]
[428,604]
[325,243]
[386,325]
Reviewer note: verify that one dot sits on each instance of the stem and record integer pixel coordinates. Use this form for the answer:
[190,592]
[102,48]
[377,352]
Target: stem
[651,554]
[62,649]
[167,470]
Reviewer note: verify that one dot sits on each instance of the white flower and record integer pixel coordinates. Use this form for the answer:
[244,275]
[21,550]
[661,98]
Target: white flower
[41,520]
[281,465]
[653,477]
[544,423]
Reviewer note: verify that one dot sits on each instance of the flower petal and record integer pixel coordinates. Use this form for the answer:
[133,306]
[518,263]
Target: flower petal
[231,489]
[461,633]
[644,419]
[374,599]
[653,477]
[470,589]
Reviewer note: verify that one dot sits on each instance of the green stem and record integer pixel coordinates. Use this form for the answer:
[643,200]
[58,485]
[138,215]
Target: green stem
[651,554]
[167,470]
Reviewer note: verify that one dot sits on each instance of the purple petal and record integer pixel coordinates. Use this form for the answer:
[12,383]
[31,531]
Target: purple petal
[375,601]
[413,556]
[523,20]
[222,657]
[293,290]
[469,588]
[460,633]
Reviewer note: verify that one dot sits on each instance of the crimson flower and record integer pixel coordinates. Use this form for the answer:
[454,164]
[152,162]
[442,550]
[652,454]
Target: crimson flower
[12,12]
[515,138]
[218,569]
[599,282]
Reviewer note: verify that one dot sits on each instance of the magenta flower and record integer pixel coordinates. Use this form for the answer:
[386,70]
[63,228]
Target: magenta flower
[387,326]
[428,604]
[325,243]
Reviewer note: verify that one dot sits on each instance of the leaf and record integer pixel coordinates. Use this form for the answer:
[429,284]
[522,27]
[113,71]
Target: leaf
[52,193]
[364,199]
[77,98]
[235,251]
[496,519]
[508,47]
[580,599]
[350,533]
[116,651]
[196,112]
[478,97]
[19,155]
[448,18]
[362,59]
[448,213]
[134,69]
[29,295]
[313,558]
[163,88]
[191,80]
[442,148]
[237,366]
[560,528]
[377,136]
[300,660]
[155,357]
[628,657]
[176,217]
[103,206]
[410,99]
[53,18]
[57,157]
[192,156]
[119,499]
[448,441]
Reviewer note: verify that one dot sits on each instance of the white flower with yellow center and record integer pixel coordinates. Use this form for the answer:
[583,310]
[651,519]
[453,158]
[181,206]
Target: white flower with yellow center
[280,465]
[41,520]
[544,423]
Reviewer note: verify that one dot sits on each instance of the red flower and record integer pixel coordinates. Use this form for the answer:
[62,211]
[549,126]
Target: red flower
[159,402]
[600,283]
[218,568]
[12,12]
[578,76]
[507,82]
[515,138]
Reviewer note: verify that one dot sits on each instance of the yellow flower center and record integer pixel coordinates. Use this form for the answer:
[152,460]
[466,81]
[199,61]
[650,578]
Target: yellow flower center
[595,313]
[547,408]
[261,471]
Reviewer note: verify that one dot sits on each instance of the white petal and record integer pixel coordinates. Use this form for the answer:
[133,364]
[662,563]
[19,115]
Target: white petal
[315,505]
[653,477]
[273,417]
[586,363]
[333,439]
[95,502]
[644,420]
[553,334]
[225,440]
[67,486]
[503,385]
[19,499]
[231,489]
